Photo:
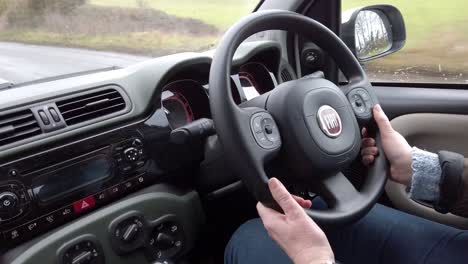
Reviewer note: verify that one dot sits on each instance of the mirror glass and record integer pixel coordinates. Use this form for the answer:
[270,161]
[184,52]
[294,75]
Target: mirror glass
[373,34]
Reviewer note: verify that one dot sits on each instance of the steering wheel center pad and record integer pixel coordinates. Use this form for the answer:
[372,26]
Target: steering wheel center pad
[305,130]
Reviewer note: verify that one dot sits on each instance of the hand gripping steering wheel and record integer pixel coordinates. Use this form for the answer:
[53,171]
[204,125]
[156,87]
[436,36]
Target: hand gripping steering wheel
[308,125]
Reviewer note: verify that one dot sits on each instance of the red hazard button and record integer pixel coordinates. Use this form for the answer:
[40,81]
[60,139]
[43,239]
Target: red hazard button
[84,204]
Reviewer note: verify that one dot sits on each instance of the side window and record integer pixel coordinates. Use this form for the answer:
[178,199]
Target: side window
[436,49]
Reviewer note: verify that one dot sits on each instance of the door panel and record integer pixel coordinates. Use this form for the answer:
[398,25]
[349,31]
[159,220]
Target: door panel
[431,132]
[432,119]
[398,101]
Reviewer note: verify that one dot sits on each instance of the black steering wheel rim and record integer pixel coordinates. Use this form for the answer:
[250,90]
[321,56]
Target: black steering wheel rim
[248,160]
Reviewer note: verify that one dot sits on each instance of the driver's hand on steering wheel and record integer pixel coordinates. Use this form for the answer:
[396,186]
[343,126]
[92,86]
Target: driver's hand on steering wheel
[396,148]
[295,232]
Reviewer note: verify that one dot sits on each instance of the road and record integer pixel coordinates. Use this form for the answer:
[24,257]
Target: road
[24,62]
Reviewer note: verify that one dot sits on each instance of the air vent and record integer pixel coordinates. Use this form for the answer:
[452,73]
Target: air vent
[286,75]
[90,106]
[18,126]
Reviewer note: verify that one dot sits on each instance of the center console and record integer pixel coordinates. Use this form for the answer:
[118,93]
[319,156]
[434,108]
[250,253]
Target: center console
[97,199]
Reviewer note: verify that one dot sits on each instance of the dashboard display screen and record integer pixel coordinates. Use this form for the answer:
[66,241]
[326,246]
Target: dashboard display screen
[62,181]
[249,88]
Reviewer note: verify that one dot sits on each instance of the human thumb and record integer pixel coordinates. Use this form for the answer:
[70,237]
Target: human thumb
[382,120]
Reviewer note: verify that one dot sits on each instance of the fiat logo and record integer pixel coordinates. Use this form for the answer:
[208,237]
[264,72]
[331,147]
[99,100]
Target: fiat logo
[329,121]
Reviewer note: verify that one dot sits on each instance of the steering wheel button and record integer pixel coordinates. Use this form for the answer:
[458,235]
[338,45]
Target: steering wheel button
[263,140]
[364,95]
[358,103]
[272,138]
[257,124]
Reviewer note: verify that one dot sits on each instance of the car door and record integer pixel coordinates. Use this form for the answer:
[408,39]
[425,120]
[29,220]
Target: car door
[423,88]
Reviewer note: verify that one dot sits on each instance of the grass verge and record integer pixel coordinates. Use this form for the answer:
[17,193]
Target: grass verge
[148,43]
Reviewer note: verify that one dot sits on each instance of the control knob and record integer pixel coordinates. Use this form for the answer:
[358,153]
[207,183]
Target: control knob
[132,154]
[8,203]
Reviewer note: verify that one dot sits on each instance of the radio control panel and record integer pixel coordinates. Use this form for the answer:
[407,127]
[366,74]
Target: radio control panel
[35,200]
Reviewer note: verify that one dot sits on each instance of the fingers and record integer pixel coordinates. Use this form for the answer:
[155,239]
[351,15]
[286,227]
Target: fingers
[303,202]
[269,218]
[284,198]
[265,212]
[371,151]
[368,160]
[368,142]
[364,132]
[382,120]
[368,151]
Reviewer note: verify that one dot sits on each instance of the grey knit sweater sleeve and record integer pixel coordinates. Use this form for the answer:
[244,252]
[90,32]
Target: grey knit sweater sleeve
[426,175]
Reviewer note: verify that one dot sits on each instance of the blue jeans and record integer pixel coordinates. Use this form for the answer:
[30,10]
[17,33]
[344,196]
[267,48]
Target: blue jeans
[383,236]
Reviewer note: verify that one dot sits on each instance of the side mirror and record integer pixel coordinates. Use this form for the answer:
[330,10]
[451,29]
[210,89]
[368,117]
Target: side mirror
[373,31]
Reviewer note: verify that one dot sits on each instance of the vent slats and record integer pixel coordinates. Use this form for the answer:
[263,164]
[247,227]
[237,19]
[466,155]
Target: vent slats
[286,75]
[15,119]
[101,112]
[90,106]
[18,126]
[83,100]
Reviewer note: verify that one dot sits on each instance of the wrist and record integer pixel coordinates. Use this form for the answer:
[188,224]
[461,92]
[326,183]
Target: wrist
[314,257]
[401,170]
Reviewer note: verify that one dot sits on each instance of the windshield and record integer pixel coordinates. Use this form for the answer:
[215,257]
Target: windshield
[44,38]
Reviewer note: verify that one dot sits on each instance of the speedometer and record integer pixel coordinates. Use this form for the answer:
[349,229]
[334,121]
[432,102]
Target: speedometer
[177,109]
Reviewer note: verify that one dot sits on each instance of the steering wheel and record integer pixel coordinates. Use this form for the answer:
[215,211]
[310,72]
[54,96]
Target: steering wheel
[309,126]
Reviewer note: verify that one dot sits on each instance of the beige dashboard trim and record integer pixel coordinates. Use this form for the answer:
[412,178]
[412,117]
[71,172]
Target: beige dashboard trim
[431,132]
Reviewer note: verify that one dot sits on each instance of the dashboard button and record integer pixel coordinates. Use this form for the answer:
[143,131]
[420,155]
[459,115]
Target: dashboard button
[54,114]
[114,190]
[84,204]
[140,163]
[126,169]
[32,227]
[14,234]
[129,185]
[101,197]
[65,212]
[49,220]
[13,173]
[44,117]
[141,179]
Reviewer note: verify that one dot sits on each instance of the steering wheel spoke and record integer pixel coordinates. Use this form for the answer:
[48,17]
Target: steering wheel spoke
[340,192]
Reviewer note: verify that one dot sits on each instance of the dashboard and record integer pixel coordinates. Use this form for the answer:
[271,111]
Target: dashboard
[186,100]
[88,171]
